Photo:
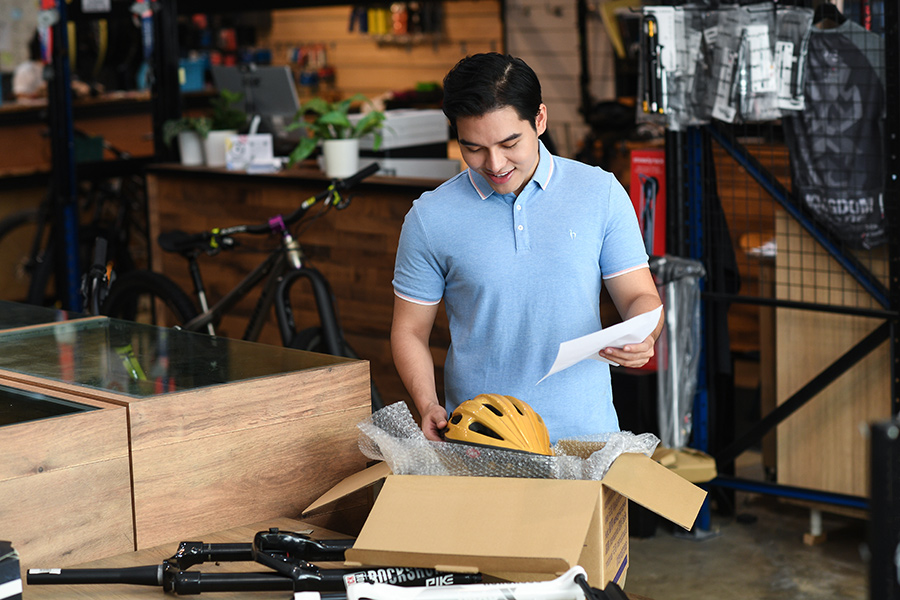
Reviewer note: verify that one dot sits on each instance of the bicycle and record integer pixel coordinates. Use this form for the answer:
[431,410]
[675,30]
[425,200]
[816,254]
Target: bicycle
[152,297]
[112,207]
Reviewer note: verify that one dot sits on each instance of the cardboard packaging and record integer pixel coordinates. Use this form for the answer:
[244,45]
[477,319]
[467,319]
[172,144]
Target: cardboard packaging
[243,150]
[648,195]
[10,574]
[514,529]
[693,465]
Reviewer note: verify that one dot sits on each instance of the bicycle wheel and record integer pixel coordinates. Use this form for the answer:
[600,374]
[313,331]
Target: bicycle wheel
[312,340]
[148,297]
[17,233]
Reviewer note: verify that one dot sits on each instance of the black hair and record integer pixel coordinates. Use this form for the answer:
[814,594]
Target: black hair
[481,83]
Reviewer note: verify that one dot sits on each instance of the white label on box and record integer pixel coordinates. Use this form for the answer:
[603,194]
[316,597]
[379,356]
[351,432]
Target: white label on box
[241,150]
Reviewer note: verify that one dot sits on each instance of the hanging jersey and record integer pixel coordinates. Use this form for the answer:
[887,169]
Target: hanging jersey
[836,144]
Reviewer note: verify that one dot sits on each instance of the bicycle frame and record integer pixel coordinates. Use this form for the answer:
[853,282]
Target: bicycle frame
[273,267]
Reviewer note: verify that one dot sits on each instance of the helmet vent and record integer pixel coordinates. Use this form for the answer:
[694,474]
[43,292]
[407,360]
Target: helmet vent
[493,409]
[479,428]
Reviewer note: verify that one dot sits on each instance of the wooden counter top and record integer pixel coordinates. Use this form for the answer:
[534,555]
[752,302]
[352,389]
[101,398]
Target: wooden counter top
[307,172]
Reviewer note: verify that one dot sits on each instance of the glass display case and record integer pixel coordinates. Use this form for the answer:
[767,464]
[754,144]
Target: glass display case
[14,315]
[228,431]
[135,359]
[20,406]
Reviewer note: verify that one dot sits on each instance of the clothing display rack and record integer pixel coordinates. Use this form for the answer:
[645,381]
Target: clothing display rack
[826,303]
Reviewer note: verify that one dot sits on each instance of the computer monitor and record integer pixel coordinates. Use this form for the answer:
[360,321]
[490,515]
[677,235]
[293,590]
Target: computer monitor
[267,91]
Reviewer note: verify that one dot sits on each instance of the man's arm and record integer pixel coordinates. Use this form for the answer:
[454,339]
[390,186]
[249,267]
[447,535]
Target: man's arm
[633,294]
[410,331]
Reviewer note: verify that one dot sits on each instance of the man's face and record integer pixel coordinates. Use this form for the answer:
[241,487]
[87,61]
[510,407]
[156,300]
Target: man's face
[502,147]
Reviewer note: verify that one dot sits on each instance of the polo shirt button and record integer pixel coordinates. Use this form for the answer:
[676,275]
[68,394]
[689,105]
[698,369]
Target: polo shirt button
[518,207]
[521,228]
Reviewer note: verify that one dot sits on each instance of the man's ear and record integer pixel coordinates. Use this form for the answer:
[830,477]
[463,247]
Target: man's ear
[540,120]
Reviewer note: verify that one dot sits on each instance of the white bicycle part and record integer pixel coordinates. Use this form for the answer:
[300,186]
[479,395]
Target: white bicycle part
[563,587]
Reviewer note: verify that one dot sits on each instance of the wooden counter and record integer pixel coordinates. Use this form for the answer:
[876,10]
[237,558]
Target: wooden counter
[218,434]
[354,249]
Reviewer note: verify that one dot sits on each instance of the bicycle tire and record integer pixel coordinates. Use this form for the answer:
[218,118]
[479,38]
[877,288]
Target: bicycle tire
[16,236]
[312,340]
[150,298]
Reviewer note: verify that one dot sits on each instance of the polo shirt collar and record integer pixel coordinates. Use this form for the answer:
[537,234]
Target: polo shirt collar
[541,176]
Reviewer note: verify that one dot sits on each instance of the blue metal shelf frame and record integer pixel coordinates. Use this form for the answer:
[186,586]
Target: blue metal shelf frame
[688,189]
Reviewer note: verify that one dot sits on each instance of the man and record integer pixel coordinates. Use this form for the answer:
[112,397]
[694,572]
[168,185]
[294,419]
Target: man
[516,247]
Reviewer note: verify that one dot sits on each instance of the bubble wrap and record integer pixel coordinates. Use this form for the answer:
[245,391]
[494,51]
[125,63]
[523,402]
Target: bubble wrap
[392,435]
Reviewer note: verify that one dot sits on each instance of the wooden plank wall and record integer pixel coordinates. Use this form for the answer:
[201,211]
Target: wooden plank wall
[543,34]
[354,249]
[822,446]
[364,66]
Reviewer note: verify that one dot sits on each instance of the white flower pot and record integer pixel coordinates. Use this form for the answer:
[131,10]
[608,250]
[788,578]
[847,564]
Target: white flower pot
[190,147]
[214,146]
[341,157]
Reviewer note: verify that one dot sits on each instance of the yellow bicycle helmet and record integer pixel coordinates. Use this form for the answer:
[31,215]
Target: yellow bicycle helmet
[501,421]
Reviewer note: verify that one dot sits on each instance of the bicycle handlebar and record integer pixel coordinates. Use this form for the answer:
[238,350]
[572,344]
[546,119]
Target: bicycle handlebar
[177,241]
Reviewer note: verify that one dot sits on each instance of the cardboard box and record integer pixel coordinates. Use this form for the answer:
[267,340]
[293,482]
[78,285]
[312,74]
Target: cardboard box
[514,529]
[693,465]
[648,195]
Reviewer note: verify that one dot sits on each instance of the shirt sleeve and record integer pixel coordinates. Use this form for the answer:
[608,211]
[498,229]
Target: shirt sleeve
[418,276]
[623,246]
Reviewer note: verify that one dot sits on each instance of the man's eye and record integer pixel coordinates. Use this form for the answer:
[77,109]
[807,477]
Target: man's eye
[511,146]
[472,149]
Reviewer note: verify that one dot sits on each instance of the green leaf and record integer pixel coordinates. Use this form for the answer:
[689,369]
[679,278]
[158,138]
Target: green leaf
[324,120]
[302,151]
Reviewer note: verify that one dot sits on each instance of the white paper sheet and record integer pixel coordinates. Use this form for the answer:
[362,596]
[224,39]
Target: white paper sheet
[632,331]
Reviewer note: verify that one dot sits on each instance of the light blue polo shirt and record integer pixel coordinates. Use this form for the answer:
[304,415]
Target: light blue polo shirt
[518,276]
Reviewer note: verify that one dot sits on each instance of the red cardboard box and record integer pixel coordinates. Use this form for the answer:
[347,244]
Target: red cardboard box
[648,195]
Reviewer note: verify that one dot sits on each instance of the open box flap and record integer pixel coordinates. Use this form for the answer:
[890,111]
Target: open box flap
[478,523]
[348,485]
[656,488]
[693,465]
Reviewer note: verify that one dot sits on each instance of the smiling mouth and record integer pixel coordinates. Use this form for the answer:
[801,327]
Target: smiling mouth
[500,176]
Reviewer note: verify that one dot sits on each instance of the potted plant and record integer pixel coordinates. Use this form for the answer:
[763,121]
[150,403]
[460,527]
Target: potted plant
[226,120]
[329,123]
[190,132]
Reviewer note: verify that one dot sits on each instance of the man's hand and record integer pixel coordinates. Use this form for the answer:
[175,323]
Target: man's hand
[434,420]
[631,355]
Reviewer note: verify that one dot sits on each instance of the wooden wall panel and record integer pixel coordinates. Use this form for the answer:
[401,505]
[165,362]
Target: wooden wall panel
[750,214]
[354,249]
[822,446]
[363,65]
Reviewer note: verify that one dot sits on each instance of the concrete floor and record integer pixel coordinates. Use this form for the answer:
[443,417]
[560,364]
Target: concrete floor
[758,554]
